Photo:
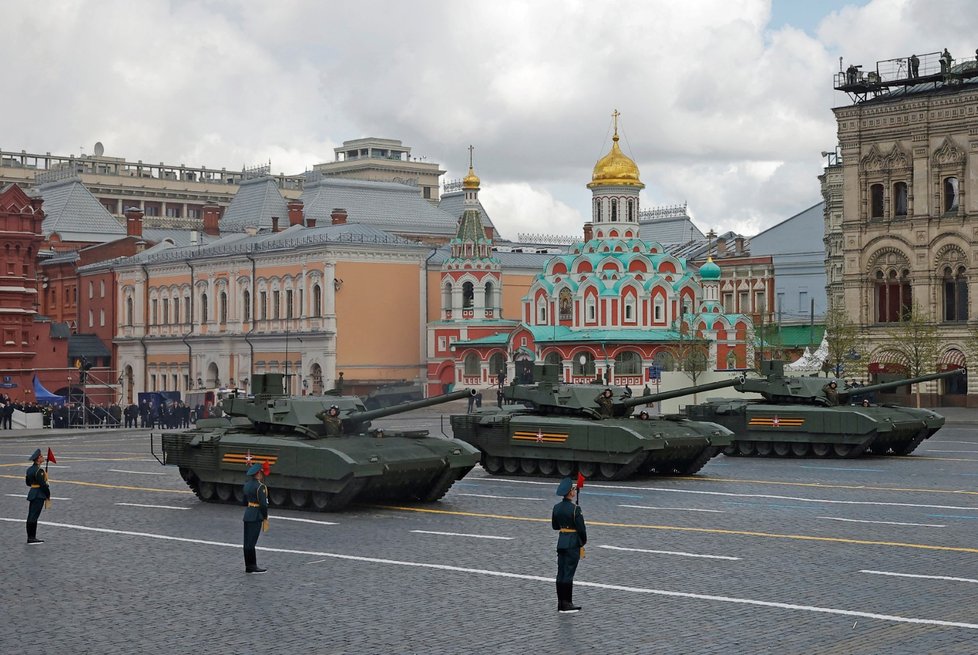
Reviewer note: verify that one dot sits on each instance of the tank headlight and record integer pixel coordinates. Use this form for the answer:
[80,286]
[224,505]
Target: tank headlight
[374,459]
[457,451]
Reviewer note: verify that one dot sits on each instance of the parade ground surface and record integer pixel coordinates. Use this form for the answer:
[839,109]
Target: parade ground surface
[871,555]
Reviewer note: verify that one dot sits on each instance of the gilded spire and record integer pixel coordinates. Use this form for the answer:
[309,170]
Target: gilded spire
[471,181]
[615,168]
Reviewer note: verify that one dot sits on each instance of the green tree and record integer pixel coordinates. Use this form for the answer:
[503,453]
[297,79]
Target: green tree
[691,354]
[846,345]
[916,341]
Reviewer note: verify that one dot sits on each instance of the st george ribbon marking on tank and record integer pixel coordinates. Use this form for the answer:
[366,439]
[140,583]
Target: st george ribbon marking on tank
[548,579]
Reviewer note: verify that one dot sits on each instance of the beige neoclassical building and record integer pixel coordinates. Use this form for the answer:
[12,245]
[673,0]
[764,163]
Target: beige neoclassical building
[901,212]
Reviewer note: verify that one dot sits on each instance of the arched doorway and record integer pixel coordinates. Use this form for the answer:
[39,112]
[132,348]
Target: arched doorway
[954,390]
[316,375]
[213,377]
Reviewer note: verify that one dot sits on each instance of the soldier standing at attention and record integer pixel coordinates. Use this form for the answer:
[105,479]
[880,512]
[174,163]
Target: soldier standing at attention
[605,402]
[331,419]
[568,518]
[255,515]
[37,480]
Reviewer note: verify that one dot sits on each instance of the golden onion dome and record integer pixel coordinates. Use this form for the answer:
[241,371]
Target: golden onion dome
[615,169]
[471,181]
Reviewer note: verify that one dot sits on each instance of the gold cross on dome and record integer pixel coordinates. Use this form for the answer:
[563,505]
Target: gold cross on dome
[615,114]
[471,148]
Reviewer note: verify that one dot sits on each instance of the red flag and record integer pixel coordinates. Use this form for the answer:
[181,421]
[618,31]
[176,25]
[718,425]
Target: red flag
[265,468]
[580,481]
[51,456]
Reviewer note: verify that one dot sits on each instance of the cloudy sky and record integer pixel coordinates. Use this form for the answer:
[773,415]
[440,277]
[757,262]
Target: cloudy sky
[725,104]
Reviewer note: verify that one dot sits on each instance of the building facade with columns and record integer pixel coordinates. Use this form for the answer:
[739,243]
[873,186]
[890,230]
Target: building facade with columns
[901,202]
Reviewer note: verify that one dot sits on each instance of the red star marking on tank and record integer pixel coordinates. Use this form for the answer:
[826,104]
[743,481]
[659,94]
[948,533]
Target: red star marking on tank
[540,435]
[775,421]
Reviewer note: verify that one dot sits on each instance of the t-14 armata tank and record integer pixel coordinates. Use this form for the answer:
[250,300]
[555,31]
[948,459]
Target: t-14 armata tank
[802,416]
[557,429]
[309,469]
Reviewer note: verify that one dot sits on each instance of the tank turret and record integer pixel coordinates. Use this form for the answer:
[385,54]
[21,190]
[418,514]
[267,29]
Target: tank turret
[270,410]
[776,387]
[548,398]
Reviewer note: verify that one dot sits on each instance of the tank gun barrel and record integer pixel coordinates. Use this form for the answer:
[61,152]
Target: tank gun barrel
[886,386]
[363,417]
[676,393]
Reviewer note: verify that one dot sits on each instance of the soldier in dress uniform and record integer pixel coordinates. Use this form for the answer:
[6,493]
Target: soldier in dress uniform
[331,419]
[255,515]
[37,480]
[605,401]
[569,520]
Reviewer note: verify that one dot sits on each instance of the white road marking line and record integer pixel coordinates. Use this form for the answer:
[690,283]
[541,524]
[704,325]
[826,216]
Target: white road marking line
[504,497]
[924,577]
[151,506]
[59,466]
[968,452]
[676,509]
[967,443]
[24,495]
[548,579]
[137,472]
[915,525]
[768,496]
[670,552]
[461,534]
[289,518]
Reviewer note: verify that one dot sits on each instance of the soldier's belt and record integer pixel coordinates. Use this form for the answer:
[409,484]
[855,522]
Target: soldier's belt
[574,530]
[253,505]
[35,486]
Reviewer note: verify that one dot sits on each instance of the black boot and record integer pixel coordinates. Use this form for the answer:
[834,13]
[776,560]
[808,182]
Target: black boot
[569,597]
[32,534]
[560,596]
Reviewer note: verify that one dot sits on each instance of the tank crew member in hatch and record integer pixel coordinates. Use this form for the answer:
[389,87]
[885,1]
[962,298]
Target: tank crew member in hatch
[331,420]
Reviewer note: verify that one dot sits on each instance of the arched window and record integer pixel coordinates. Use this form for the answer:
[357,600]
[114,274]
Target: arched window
[288,303]
[583,363]
[665,361]
[473,365]
[659,309]
[629,307]
[589,309]
[101,288]
[487,298]
[597,210]
[176,310]
[900,199]
[276,303]
[468,293]
[876,201]
[91,290]
[186,309]
[541,311]
[497,364]
[628,362]
[893,295]
[246,305]
[166,311]
[317,300]
[614,209]
[203,308]
[950,194]
[955,294]
[129,311]
[223,307]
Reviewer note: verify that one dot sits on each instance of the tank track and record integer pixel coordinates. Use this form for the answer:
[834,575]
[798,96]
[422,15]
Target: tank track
[748,448]
[641,465]
[317,501]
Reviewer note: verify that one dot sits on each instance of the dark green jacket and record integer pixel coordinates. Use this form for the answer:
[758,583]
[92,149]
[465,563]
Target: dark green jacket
[37,476]
[256,497]
[568,515]
[334,424]
[605,405]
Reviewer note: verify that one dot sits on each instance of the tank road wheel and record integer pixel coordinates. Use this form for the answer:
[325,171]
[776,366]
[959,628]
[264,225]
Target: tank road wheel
[492,464]
[547,466]
[207,490]
[800,449]
[764,448]
[782,449]
[731,450]
[843,449]
[278,497]
[299,497]
[565,468]
[821,449]
[587,469]
[511,465]
[320,500]
[746,448]
[609,470]
[238,491]
[225,492]
[528,466]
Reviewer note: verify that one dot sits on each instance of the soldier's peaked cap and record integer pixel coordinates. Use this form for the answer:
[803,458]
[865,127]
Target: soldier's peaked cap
[254,468]
[37,453]
[564,487]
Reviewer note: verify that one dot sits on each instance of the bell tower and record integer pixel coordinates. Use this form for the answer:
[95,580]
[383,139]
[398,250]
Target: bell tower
[615,187]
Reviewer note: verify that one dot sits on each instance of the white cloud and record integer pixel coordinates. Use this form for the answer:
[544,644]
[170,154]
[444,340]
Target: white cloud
[717,109]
